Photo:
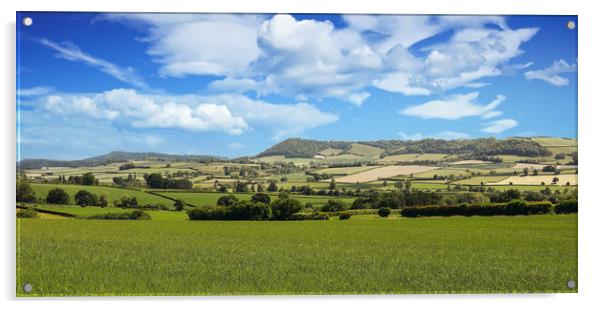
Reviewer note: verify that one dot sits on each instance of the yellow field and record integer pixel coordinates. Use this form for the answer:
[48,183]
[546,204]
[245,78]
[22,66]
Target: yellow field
[470,162]
[384,172]
[344,170]
[537,180]
[531,166]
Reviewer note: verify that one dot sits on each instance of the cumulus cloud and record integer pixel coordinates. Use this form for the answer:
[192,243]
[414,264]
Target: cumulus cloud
[35,91]
[72,52]
[232,114]
[499,126]
[551,74]
[305,59]
[454,107]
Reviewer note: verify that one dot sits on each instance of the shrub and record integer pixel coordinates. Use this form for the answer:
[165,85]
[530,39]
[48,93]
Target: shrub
[127,202]
[207,213]
[309,216]
[245,210]
[284,207]
[84,198]
[565,207]
[57,196]
[512,208]
[334,205]
[134,215]
[227,200]
[25,193]
[261,198]
[27,213]
[179,205]
[157,206]
[384,212]
[345,216]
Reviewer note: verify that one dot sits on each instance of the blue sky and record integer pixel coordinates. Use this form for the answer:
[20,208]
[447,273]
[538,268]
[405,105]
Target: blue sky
[234,85]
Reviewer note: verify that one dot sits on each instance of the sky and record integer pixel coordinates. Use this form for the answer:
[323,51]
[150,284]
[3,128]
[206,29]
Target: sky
[235,84]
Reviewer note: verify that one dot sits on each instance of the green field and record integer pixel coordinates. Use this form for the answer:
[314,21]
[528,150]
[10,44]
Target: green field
[432,255]
[84,212]
[344,170]
[41,190]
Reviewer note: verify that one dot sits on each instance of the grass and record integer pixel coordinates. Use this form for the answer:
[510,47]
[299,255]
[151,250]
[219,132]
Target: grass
[344,170]
[41,190]
[408,157]
[431,255]
[84,212]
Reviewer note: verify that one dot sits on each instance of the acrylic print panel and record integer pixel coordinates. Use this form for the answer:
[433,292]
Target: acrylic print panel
[244,154]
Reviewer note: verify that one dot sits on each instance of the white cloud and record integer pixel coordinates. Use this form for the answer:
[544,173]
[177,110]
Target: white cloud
[358,98]
[551,74]
[306,59]
[35,91]
[499,126]
[233,114]
[452,108]
[448,135]
[72,52]
[491,114]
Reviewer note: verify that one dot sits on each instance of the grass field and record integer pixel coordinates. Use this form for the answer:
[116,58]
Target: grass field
[554,141]
[344,170]
[84,212]
[432,255]
[41,190]
[408,157]
[535,180]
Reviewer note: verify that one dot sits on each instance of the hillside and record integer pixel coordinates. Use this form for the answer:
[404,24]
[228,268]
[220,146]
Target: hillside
[302,148]
[115,156]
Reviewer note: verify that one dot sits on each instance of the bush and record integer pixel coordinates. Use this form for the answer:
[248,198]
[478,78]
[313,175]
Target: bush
[207,213]
[261,198]
[566,207]
[384,212]
[134,215]
[25,193]
[334,205]
[27,213]
[512,208]
[179,205]
[157,206]
[345,216]
[57,196]
[284,207]
[309,216]
[245,210]
[227,200]
[127,202]
[84,198]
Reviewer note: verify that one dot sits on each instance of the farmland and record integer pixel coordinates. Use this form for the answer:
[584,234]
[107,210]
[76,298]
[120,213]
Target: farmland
[112,193]
[384,172]
[535,180]
[433,255]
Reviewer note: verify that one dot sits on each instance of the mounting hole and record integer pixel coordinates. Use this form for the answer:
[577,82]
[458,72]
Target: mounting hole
[571,284]
[27,21]
[27,287]
[571,25]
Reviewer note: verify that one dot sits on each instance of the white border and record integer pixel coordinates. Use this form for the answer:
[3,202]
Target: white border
[589,141]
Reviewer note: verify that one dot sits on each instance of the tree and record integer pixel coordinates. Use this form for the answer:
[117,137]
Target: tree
[555,180]
[102,200]
[333,184]
[154,180]
[284,207]
[526,171]
[240,187]
[334,205]
[408,184]
[227,200]
[84,198]
[384,212]
[57,196]
[179,205]
[25,193]
[126,202]
[261,198]
[272,187]
[88,179]
[535,172]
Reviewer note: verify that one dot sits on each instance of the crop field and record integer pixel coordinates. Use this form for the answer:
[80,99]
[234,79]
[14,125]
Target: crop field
[112,193]
[384,172]
[408,157]
[344,170]
[210,198]
[432,255]
[442,172]
[554,141]
[461,162]
[477,180]
[366,151]
[537,180]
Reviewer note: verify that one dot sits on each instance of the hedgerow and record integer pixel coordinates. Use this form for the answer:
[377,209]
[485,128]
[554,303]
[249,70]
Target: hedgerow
[512,208]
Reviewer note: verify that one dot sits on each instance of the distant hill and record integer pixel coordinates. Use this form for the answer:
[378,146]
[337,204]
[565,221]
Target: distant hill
[115,156]
[304,148]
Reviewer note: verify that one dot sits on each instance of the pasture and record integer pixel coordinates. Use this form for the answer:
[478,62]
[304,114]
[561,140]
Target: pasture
[425,255]
[112,193]
[384,172]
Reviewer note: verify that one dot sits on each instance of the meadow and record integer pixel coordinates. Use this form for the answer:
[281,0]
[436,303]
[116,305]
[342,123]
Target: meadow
[112,193]
[396,255]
